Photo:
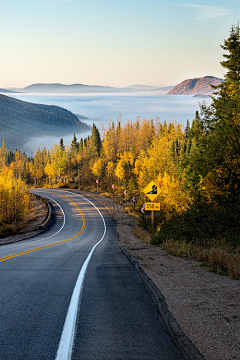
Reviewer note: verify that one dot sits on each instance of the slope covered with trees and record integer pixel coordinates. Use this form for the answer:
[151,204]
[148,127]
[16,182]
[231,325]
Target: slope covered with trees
[20,120]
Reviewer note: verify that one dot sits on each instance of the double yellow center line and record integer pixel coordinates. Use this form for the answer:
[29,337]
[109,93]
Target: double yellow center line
[47,246]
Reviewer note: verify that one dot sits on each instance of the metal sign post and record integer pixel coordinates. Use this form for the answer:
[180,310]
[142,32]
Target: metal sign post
[133,201]
[125,195]
[97,182]
[113,187]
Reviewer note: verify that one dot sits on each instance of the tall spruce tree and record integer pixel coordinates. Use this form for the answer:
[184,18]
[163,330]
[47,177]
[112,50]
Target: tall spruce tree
[74,145]
[222,120]
[96,139]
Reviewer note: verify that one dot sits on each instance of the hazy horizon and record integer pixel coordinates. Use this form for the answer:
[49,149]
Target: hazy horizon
[112,43]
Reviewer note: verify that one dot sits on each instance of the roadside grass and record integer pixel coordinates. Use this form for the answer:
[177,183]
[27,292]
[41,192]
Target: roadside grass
[141,233]
[214,256]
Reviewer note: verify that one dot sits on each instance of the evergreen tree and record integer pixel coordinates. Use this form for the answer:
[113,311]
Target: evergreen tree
[187,130]
[222,120]
[96,139]
[74,145]
[62,144]
[81,145]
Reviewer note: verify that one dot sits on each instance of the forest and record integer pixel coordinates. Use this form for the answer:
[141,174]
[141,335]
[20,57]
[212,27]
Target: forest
[197,169]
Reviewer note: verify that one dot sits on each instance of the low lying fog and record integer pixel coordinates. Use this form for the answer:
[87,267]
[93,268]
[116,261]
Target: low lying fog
[48,141]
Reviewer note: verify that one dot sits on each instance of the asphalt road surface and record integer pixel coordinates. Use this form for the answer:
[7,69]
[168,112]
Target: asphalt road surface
[69,293]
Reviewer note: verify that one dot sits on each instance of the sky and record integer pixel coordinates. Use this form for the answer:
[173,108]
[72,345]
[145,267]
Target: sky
[113,42]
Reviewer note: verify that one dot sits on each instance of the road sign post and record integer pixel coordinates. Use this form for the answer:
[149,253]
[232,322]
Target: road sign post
[97,182]
[125,195]
[152,191]
[152,222]
[134,201]
[113,187]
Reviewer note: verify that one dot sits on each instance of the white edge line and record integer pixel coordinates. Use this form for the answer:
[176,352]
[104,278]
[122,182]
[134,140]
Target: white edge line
[65,346]
[35,241]
[62,224]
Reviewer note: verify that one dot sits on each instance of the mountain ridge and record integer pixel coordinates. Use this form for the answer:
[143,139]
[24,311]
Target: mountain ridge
[21,121]
[58,88]
[196,86]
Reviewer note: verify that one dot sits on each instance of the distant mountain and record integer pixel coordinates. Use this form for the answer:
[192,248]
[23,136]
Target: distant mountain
[195,86]
[73,88]
[5,91]
[60,88]
[21,121]
[81,88]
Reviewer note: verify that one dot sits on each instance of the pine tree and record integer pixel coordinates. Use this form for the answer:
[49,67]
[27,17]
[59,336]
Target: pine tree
[74,145]
[62,144]
[222,120]
[96,139]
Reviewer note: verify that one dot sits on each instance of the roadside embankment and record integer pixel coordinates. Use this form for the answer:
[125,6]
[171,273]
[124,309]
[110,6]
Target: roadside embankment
[37,220]
[205,305]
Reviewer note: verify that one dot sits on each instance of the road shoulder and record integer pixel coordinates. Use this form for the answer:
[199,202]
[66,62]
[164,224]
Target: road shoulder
[204,304]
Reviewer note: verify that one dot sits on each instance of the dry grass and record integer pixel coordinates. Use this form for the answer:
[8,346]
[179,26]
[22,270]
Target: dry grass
[141,234]
[219,259]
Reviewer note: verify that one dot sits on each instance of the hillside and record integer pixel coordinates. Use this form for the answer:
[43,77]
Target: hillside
[195,86]
[21,121]
[5,91]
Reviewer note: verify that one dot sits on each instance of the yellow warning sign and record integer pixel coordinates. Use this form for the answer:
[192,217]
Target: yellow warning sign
[152,190]
[152,206]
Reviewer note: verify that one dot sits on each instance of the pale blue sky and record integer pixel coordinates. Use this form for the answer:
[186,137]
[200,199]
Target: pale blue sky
[112,42]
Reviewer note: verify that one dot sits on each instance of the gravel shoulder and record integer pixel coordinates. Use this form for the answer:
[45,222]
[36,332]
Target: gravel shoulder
[205,305]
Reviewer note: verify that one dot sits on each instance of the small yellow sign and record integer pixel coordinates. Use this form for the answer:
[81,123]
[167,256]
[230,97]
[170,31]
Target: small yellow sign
[152,206]
[152,190]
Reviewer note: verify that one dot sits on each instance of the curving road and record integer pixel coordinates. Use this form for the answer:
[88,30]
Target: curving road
[70,293]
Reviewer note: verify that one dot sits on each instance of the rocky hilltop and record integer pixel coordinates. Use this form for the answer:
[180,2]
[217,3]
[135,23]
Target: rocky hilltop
[21,120]
[195,86]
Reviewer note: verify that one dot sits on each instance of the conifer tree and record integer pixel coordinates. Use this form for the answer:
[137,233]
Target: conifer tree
[96,139]
[222,119]
[62,146]
[74,145]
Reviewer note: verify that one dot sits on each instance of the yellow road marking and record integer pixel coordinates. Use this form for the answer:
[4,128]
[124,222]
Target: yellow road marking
[57,243]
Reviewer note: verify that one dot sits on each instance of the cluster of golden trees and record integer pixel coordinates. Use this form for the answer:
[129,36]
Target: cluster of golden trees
[14,195]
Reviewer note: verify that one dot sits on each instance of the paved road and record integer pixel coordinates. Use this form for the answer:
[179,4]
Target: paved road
[61,298]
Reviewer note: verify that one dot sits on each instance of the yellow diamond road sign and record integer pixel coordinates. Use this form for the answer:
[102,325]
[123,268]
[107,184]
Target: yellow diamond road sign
[152,190]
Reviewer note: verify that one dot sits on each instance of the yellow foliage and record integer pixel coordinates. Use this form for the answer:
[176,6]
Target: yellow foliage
[173,198]
[14,197]
[98,168]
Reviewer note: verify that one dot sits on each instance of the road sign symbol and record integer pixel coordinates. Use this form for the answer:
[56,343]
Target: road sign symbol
[152,206]
[113,186]
[143,209]
[97,181]
[125,192]
[152,190]
[133,198]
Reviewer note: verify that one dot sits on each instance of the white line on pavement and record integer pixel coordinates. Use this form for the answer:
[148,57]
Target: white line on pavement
[65,346]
